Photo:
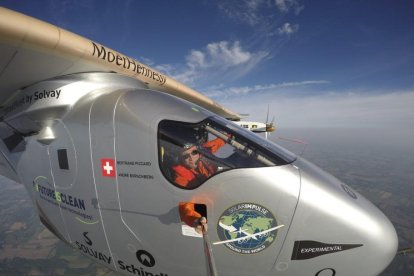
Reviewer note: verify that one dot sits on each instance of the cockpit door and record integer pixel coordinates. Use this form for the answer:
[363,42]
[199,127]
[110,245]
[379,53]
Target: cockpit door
[250,195]
[249,212]
[146,207]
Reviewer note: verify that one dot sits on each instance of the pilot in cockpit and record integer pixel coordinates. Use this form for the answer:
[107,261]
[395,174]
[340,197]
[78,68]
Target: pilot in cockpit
[187,154]
[194,169]
[191,153]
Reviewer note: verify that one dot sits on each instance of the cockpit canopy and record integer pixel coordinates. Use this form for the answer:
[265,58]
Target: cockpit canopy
[191,153]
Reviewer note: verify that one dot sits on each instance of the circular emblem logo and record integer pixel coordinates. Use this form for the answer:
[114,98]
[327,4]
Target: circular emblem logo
[247,228]
[145,258]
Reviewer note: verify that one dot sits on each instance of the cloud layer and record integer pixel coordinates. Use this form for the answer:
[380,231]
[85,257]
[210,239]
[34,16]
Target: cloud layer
[221,61]
[385,110]
[288,5]
[265,17]
[288,29]
[220,93]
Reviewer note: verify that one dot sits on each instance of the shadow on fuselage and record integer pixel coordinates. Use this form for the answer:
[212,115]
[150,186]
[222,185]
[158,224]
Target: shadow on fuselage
[172,216]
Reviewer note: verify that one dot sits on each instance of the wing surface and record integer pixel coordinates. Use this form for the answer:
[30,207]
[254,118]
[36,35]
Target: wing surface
[32,50]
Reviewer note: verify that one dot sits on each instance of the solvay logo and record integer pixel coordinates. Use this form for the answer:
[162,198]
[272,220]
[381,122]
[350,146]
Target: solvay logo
[87,239]
[108,167]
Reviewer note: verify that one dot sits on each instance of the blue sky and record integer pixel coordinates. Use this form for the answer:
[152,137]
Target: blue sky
[315,63]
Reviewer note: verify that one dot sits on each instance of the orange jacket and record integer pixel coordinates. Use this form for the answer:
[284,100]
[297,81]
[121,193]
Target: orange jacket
[188,214]
[214,145]
[186,177]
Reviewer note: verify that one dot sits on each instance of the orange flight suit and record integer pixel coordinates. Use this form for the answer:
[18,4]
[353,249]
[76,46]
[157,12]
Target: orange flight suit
[188,214]
[185,177]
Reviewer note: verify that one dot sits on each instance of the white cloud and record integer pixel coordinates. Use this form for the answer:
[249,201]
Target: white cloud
[258,12]
[167,69]
[196,59]
[223,93]
[264,18]
[146,61]
[281,5]
[221,53]
[254,4]
[221,61]
[242,10]
[287,5]
[288,29]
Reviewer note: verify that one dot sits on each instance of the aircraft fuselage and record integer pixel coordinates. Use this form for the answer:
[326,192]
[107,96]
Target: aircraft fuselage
[96,152]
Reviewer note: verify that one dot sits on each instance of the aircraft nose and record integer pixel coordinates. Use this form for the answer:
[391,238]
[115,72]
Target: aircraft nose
[381,240]
[365,224]
[337,228]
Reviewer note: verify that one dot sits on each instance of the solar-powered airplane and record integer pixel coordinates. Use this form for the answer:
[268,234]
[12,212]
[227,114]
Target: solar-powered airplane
[259,127]
[95,136]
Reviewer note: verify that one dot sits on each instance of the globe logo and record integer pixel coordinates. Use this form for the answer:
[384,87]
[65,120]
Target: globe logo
[247,228]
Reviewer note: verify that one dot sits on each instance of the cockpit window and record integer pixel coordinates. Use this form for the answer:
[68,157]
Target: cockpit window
[189,154]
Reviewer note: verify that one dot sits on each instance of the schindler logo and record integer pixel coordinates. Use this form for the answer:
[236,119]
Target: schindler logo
[145,258]
[303,250]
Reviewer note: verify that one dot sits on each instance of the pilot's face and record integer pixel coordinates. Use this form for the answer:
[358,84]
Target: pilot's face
[190,157]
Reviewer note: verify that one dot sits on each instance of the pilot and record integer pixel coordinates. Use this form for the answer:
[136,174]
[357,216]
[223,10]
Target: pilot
[192,171]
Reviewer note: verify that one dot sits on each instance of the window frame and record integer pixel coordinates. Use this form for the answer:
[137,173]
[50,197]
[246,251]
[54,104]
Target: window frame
[261,147]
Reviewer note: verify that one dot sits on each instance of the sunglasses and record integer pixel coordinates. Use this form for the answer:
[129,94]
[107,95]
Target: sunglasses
[187,155]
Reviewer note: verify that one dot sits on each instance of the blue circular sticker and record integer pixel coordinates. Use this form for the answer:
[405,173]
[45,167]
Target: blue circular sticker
[247,228]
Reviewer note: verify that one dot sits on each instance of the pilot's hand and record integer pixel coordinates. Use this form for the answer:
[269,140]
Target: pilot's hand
[201,225]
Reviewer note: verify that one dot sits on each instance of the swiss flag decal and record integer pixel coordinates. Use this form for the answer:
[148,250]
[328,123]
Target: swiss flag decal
[108,167]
